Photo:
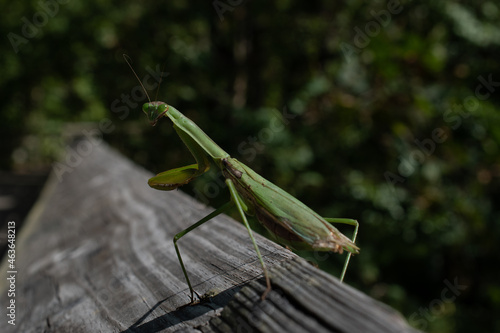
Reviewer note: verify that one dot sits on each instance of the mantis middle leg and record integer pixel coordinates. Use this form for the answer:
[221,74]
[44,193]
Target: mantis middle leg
[237,201]
[207,218]
[235,197]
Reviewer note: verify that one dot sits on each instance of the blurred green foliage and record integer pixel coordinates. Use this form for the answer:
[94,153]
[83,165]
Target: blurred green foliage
[355,83]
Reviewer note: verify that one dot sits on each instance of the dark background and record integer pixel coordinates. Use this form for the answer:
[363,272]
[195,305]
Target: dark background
[387,117]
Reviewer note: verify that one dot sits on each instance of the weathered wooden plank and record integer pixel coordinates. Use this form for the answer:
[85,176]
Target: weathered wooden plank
[96,256]
[305,299]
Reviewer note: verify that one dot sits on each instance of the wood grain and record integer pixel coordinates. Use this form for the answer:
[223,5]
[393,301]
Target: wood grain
[96,255]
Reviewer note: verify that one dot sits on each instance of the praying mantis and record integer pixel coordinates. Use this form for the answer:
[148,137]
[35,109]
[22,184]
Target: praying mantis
[292,223]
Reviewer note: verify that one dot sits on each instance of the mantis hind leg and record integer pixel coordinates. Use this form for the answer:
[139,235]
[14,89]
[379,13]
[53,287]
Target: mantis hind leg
[239,205]
[350,222]
[207,218]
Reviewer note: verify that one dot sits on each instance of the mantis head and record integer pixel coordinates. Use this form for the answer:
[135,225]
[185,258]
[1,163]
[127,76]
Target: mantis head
[154,111]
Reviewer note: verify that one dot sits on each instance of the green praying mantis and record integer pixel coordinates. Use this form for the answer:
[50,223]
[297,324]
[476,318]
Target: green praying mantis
[292,223]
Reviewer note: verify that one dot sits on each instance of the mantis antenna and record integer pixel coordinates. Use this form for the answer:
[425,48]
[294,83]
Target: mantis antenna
[127,58]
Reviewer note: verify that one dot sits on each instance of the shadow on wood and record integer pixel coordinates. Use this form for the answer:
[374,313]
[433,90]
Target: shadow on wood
[212,304]
[96,255]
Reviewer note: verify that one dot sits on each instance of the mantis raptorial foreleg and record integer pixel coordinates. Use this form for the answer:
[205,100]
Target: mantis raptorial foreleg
[350,222]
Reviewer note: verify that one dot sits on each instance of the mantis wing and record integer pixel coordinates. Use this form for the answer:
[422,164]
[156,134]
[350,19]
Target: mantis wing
[282,214]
